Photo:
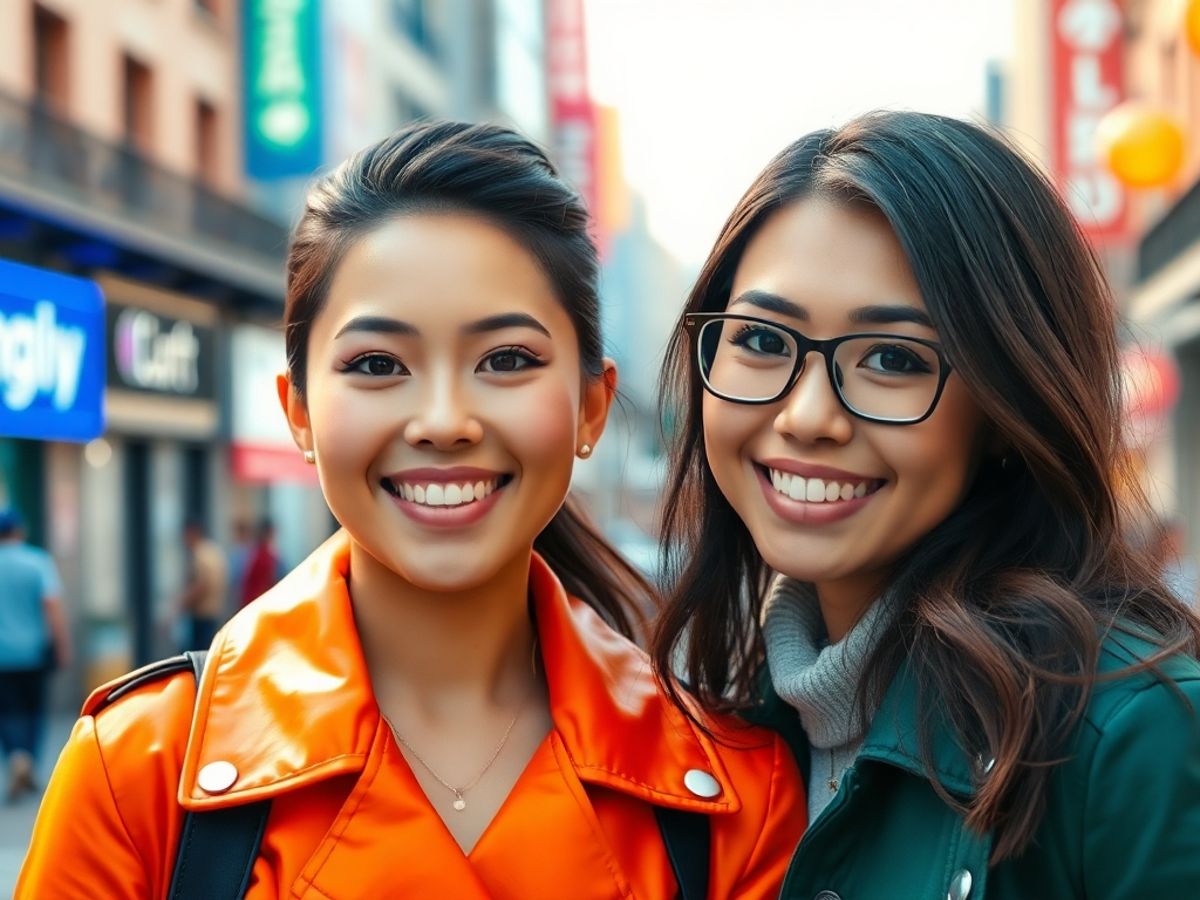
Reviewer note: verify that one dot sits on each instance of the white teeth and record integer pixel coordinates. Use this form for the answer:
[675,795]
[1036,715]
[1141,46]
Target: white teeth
[440,494]
[816,490]
[797,488]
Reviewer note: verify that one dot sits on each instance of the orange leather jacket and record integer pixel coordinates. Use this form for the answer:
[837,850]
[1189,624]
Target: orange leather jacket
[286,699]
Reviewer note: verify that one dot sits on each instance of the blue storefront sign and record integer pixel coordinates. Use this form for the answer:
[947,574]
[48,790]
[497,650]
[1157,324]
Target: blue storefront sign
[281,64]
[51,355]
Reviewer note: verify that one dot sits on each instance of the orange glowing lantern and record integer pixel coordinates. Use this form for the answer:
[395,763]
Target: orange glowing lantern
[1191,25]
[1142,146]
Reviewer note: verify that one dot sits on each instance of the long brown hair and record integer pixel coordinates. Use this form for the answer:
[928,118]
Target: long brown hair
[495,173]
[1007,601]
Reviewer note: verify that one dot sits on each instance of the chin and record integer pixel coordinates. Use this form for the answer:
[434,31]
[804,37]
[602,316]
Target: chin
[446,572]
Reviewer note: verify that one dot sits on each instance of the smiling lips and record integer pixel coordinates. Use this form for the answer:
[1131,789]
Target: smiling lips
[820,490]
[445,497]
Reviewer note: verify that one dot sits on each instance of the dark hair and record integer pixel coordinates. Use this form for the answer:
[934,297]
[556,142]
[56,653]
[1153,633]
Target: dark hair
[1007,601]
[492,172]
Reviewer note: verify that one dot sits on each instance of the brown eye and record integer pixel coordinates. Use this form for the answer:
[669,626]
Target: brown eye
[378,365]
[509,360]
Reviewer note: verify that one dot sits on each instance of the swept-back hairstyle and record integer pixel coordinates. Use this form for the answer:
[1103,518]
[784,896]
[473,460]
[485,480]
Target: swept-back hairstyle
[492,172]
[1006,602]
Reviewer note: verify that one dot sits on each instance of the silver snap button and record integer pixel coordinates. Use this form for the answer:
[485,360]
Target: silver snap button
[701,783]
[827,895]
[960,886]
[217,777]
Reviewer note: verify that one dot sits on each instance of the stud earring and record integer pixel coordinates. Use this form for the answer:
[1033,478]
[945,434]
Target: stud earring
[310,457]
[585,451]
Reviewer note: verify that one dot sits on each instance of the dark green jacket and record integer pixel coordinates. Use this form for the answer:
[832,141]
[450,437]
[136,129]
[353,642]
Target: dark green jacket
[1122,818]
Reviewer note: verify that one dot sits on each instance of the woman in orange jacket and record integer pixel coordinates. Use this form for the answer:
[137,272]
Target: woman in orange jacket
[443,700]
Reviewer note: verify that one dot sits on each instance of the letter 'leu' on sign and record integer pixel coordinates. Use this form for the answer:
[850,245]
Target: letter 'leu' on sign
[39,356]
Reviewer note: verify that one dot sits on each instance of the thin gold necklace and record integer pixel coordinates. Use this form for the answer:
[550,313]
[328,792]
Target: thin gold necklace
[460,800]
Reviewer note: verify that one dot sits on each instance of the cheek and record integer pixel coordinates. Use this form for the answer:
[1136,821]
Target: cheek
[727,428]
[539,421]
[936,461]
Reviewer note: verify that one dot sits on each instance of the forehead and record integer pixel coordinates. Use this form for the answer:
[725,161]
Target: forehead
[828,257]
[439,269]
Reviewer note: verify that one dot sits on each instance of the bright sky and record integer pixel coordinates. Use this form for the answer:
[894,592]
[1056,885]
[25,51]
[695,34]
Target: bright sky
[709,90]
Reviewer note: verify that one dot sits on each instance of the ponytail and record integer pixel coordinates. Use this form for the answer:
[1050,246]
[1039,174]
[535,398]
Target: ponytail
[591,569]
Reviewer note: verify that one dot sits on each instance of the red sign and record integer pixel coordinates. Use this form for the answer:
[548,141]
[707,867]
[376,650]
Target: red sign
[572,113]
[1085,71]
[269,465]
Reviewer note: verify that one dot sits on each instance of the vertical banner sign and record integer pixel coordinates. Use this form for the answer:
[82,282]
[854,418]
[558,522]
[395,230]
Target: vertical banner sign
[281,65]
[573,119]
[1085,70]
[51,355]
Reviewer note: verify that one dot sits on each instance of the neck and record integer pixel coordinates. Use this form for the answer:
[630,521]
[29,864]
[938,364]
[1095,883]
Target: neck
[843,602]
[442,650]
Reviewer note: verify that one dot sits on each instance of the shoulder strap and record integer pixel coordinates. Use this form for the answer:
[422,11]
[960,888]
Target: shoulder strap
[217,848]
[161,669]
[685,835]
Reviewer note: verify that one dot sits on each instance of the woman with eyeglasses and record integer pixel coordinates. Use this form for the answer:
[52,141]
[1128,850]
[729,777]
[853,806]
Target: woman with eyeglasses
[898,503]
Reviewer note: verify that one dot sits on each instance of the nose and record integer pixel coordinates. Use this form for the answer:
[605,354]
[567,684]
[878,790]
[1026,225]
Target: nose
[444,418]
[811,411]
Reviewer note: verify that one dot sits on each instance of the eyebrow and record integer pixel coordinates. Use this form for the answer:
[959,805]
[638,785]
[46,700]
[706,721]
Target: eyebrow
[376,325]
[505,320]
[879,314]
[385,325]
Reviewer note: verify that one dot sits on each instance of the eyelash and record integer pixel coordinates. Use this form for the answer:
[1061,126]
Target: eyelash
[531,359]
[353,366]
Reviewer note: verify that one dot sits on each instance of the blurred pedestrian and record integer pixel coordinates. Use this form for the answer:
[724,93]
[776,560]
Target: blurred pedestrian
[204,596]
[239,558]
[263,569]
[34,640]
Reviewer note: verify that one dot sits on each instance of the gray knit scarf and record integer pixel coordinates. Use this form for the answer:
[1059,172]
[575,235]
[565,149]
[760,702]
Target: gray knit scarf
[820,680]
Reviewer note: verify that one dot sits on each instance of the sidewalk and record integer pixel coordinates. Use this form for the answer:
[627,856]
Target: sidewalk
[16,822]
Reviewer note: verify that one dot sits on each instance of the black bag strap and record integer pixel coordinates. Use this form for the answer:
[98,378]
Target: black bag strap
[686,837]
[218,847]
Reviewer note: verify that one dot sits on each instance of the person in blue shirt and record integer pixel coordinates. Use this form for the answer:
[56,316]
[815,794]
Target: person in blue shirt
[33,640]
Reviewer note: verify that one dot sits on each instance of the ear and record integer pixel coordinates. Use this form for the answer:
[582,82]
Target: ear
[295,410]
[598,394]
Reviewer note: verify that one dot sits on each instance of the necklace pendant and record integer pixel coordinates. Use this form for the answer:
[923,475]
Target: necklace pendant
[833,785]
[459,803]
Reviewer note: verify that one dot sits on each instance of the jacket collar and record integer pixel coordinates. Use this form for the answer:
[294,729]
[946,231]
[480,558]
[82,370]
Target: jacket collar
[285,697]
[892,738]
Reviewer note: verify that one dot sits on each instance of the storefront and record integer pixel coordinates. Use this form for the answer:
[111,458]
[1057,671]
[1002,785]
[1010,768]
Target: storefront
[156,466]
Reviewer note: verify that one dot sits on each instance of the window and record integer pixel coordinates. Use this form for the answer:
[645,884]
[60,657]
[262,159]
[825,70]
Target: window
[50,60]
[412,17]
[207,163]
[139,105]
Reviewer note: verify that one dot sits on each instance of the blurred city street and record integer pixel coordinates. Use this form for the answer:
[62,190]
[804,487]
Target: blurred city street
[153,157]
